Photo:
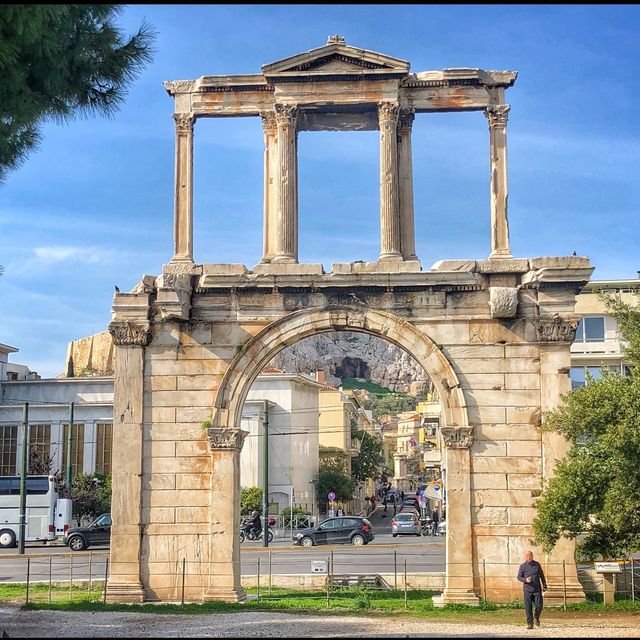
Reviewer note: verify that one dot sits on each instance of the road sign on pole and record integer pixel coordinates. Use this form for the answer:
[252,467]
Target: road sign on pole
[331,496]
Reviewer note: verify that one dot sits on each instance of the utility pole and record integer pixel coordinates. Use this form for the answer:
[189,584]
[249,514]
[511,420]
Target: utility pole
[265,477]
[23,480]
[69,441]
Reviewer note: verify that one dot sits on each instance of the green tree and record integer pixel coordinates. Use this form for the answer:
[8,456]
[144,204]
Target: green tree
[91,495]
[391,404]
[333,459]
[332,480]
[59,61]
[594,494]
[368,462]
[250,500]
[413,463]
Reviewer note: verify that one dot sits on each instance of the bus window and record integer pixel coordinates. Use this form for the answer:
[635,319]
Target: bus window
[38,485]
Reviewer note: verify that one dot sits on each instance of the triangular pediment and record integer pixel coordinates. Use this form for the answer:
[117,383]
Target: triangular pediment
[336,58]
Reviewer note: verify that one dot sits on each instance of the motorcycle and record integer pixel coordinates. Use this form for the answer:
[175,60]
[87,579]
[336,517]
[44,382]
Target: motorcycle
[247,532]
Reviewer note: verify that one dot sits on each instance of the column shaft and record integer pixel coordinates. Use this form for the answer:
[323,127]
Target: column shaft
[405,172]
[497,116]
[270,158]
[389,199]
[286,185]
[183,212]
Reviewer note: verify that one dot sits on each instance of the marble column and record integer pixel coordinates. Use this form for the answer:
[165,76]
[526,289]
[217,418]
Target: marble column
[183,198]
[225,575]
[124,583]
[459,587]
[405,172]
[286,185]
[270,157]
[389,188]
[497,115]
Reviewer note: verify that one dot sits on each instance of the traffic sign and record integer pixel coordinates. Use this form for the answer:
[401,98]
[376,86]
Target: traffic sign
[331,496]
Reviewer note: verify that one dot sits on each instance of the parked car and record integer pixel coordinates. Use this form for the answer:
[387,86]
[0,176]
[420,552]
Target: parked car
[406,523]
[98,532]
[344,530]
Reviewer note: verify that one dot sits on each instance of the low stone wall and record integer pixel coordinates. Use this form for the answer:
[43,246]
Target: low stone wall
[425,581]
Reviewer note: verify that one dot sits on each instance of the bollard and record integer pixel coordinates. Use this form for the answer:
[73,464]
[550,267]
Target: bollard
[405,583]
[184,567]
[70,575]
[269,572]
[633,581]
[106,576]
[258,574]
[90,569]
[395,569]
[564,585]
[28,575]
[484,580]
[50,572]
[331,562]
[328,568]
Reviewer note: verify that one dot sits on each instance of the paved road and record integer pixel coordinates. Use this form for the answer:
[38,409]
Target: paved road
[384,555]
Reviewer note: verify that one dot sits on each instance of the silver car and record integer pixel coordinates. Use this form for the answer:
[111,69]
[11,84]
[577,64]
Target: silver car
[405,523]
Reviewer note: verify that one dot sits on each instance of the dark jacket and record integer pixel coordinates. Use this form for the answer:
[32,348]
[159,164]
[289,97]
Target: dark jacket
[534,570]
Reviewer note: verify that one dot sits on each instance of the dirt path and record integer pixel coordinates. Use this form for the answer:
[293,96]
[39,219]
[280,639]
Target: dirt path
[57,624]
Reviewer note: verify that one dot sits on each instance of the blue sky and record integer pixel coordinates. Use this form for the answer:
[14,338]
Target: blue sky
[93,207]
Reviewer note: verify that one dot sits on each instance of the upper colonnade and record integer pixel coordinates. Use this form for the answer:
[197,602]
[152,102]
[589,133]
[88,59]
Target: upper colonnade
[338,87]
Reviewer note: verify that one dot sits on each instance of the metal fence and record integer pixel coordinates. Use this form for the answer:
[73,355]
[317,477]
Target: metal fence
[328,573]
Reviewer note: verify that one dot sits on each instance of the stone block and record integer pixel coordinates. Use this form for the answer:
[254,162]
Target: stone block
[162,449]
[489,481]
[177,465]
[489,448]
[192,448]
[196,383]
[490,515]
[195,415]
[522,380]
[493,381]
[503,265]
[165,352]
[192,514]
[523,432]
[160,383]
[559,262]
[288,269]
[501,498]
[505,398]
[480,415]
[524,415]
[175,431]
[191,498]
[166,515]
[524,448]
[491,332]
[506,465]
[503,302]
[160,481]
[161,414]
[522,515]
[492,550]
[179,398]
[193,481]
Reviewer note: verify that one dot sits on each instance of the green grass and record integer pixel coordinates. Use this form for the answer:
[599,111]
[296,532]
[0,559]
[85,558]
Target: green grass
[342,600]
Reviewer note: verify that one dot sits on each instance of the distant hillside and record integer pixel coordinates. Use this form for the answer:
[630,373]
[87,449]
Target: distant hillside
[345,355]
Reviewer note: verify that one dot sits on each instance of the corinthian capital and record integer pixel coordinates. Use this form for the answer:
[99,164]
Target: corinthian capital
[388,111]
[221,438]
[497,115]
[457,437]
[556,329]
[286,114]
[184,122]
[406,118]
[268,120]
[130,333]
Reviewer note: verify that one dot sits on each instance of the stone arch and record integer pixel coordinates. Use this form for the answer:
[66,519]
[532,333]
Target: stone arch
[296,326]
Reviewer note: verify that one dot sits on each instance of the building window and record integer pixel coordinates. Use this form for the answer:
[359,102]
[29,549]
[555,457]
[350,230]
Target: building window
[579,374]
[39,449]
[77,449]
[8,449]
[104,436]
[590,330]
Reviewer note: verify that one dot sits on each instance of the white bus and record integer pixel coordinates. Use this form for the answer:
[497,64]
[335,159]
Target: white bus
[42,496]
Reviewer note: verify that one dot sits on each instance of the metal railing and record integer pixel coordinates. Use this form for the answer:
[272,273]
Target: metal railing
[327,573]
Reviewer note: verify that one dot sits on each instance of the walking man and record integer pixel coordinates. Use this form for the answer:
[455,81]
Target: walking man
[531,576]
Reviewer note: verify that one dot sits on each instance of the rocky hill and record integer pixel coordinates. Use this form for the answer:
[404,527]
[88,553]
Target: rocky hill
[347,354]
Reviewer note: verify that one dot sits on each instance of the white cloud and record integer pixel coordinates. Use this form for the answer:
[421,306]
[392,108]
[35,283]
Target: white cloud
[45,256]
